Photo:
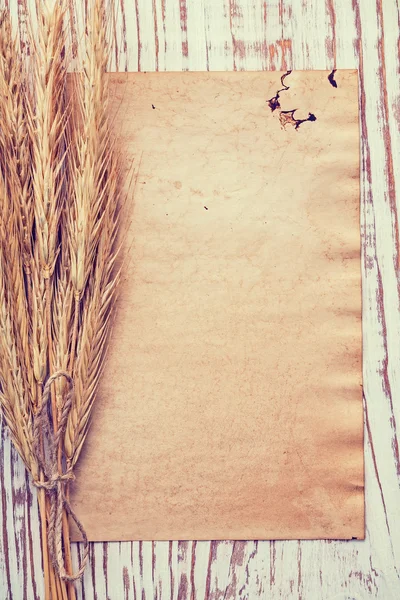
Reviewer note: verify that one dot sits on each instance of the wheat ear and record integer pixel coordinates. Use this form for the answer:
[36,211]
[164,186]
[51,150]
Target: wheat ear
[92,251]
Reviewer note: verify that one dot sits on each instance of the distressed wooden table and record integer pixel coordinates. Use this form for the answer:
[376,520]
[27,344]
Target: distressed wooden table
[255,35]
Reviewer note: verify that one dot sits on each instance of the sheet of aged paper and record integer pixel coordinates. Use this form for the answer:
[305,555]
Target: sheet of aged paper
[231,405]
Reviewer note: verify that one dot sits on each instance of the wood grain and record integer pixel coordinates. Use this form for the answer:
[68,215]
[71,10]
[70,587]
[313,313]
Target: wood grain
[251,35]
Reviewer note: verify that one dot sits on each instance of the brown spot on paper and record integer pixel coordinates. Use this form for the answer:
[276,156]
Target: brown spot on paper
[230,406]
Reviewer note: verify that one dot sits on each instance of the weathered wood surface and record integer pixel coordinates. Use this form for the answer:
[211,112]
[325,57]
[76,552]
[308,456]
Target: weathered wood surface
[251,35]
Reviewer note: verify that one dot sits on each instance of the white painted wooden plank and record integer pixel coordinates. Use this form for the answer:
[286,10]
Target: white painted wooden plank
[279,34]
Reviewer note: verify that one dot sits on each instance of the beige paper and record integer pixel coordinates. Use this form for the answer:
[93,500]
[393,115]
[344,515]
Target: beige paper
[231,403]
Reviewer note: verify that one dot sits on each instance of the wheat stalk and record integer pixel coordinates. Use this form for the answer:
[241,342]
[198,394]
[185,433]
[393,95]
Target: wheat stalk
[47,124]
[22,290]
[17,384]
[13,394]
[16,207]
[92,229]
[59,206]
[47,128]
[90,159]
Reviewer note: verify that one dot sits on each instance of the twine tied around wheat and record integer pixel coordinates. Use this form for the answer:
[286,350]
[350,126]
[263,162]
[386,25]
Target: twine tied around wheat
[46,442]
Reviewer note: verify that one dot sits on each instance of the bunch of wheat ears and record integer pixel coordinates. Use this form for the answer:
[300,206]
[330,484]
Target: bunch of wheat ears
[59,206]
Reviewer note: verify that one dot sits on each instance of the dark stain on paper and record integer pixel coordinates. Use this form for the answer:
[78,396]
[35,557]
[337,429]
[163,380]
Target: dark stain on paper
[273,102]
[286,117]
[331,78]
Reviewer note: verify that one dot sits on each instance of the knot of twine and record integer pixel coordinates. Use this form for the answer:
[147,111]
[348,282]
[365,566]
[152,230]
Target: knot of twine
[46,443]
